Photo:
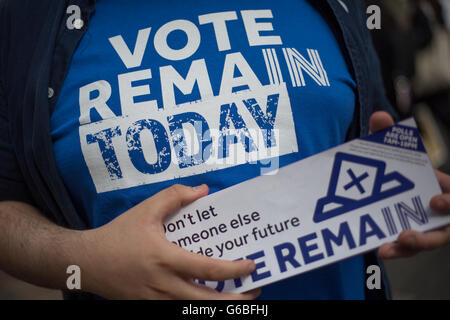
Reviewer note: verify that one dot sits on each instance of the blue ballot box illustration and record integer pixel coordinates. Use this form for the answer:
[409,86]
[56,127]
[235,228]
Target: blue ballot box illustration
[356,182]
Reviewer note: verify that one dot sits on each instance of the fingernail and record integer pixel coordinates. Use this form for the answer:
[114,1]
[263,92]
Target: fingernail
[199,188]
[390,253]
[440,204]
[251,267]
[410,241]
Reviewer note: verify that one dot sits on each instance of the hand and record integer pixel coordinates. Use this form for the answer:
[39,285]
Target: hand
[130,257]
[411,242]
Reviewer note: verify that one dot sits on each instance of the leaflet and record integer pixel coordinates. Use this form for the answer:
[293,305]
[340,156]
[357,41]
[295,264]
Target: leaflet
[334,205]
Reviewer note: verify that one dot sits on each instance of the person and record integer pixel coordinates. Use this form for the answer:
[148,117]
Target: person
[97,102]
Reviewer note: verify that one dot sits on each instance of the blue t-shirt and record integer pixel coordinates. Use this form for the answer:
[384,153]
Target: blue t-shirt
[193,92]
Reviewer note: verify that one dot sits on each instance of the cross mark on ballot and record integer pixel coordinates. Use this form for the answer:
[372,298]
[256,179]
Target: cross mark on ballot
[356,181]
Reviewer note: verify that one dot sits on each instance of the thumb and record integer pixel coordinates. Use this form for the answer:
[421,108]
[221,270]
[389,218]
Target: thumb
[380,120]
[169,200]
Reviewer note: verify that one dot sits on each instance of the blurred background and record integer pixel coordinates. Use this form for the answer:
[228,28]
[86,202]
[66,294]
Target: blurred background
[414,49]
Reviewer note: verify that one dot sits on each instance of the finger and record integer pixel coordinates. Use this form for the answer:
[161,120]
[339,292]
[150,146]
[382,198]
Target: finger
[253,294]
[380,120]
[444,181]
[201,267]
[192,290]
[393,250]
[412,240]
[441,203]
[169,200]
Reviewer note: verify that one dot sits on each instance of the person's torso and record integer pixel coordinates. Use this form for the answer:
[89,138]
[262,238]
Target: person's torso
[200,92]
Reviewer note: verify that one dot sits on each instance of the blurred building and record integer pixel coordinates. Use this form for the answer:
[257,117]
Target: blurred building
[414,48]
[446,7]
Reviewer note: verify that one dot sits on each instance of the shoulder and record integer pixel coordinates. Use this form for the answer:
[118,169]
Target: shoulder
[25,6]
[26,12]
[24,23]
